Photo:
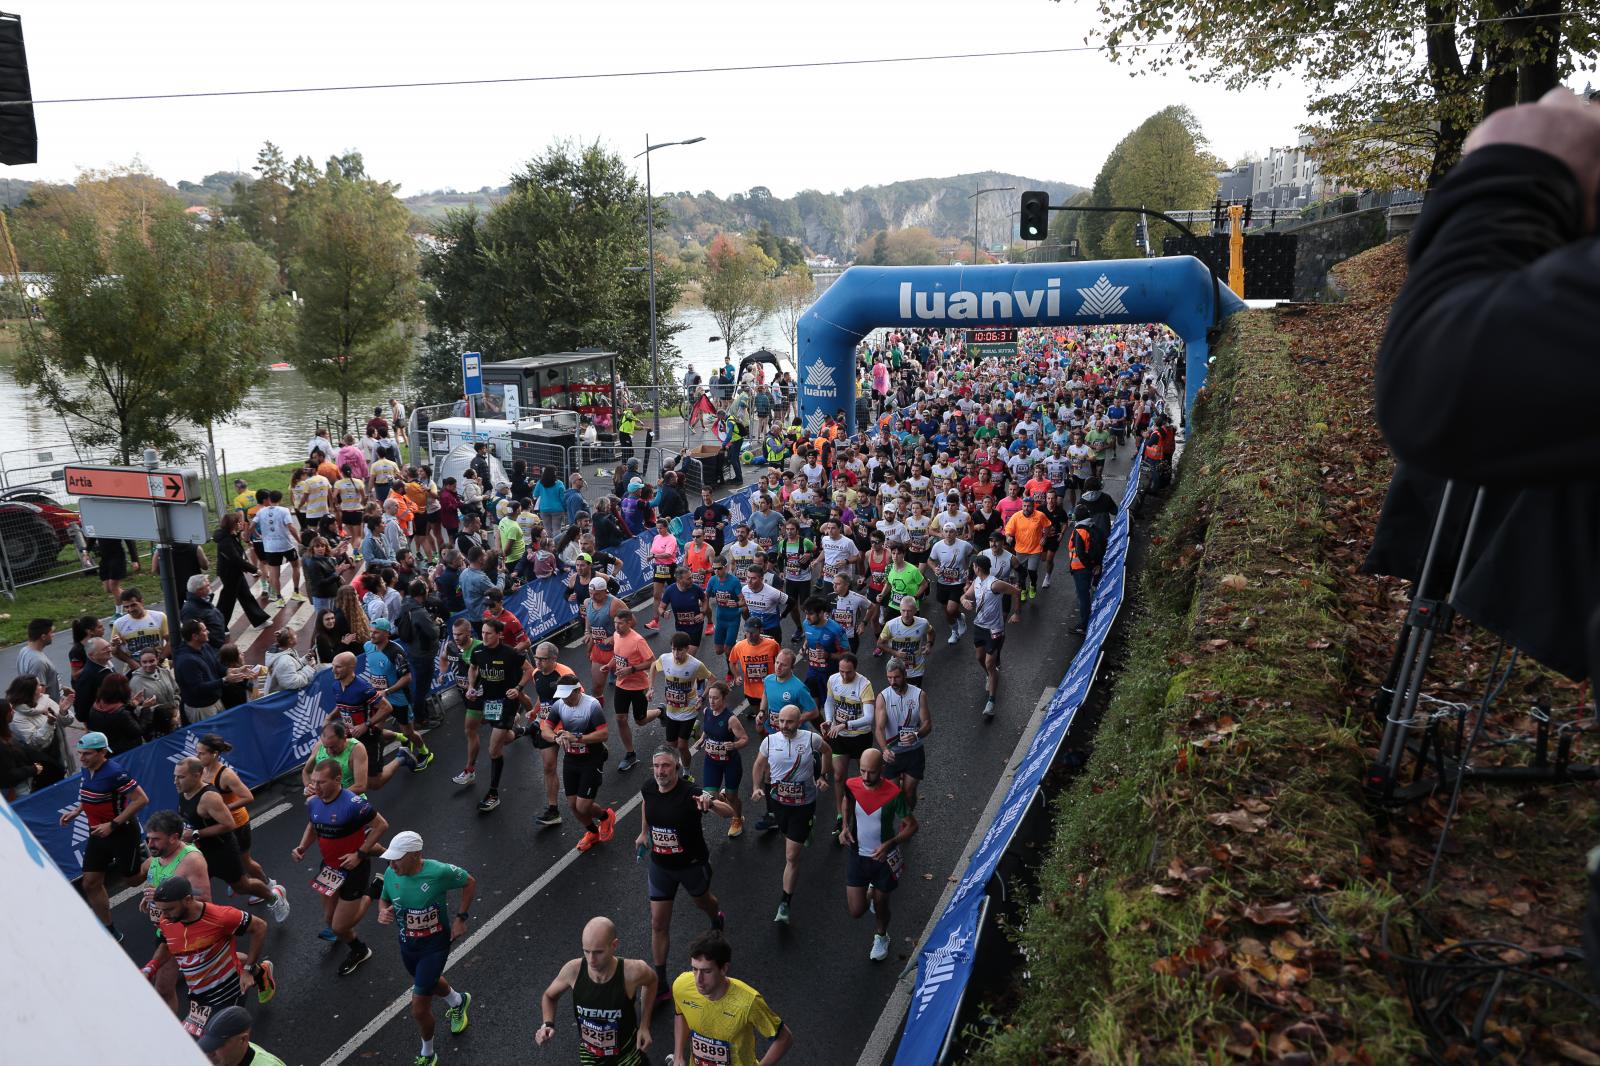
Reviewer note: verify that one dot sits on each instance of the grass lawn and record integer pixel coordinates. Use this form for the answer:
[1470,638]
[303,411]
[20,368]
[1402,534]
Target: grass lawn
[62,599]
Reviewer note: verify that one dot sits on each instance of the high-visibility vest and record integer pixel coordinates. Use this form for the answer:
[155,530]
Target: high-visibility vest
[1154,449]
[1169,441]
[405,511]
[1076,546]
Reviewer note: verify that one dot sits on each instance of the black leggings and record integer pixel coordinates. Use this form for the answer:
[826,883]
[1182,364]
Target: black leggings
[236,590]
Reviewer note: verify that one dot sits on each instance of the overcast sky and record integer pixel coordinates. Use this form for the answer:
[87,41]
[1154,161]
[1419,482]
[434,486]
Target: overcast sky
[1049,117]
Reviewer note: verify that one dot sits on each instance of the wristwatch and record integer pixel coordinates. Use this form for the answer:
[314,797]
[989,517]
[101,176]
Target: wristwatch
[465,916]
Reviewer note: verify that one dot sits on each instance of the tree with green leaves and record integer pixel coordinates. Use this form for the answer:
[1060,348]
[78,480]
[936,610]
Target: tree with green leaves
[261,206]
[555,266]
[793,294]
[157,325]
[1396,86]
[736,289]
[1162,165]
[354,268]
[910,246]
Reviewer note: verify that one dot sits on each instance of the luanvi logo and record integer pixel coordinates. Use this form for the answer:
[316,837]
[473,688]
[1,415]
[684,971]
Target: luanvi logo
[941,967]
[981,306]
[1102,298]
[819,375]
[306,718]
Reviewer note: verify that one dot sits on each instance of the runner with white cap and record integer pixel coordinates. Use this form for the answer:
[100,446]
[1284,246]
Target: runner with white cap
[415,900]
[577,723]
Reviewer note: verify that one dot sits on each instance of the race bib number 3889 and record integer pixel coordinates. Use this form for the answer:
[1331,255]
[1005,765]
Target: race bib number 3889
[707,1051]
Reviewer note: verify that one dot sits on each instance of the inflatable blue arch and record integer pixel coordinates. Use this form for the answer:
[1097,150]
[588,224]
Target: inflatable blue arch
[1178,291]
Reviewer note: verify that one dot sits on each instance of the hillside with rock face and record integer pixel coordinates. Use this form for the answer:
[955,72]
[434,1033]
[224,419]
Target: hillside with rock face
[826,223]
[834,223]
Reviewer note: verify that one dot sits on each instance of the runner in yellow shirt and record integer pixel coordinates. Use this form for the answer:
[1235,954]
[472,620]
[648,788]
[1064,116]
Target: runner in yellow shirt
[312,497]
[383,473]
[718,1017]
[349,493]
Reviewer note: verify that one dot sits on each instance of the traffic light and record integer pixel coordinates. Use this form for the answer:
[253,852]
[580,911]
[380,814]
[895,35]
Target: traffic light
[1035,215]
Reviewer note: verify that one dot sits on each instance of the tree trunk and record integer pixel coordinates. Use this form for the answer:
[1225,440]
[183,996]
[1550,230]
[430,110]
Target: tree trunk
[1539,71]
[1445,75]
[1499,59]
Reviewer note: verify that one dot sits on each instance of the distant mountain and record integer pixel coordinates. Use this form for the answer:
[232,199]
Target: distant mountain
[834,223]
[433,205]
[826,223]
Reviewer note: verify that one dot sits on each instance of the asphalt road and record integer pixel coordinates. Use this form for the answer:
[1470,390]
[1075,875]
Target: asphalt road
[536,892]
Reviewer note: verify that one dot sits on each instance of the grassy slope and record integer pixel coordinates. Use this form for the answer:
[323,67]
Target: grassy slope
[73,595]
[1216,884]
[1220,811]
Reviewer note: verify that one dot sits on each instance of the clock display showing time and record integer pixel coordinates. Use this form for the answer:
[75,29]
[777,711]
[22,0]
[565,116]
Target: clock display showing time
[993,335]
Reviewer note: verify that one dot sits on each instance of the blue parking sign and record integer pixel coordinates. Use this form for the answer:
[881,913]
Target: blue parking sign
[471,374]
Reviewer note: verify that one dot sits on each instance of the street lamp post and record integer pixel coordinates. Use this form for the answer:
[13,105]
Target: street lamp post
[650,250]
[975,198]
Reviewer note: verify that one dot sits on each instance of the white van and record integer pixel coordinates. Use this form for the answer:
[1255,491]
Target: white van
[445,434]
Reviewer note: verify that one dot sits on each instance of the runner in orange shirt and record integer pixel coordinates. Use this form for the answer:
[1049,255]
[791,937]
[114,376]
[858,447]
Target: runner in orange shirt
[697,556]
[631,661]
[1027,530]
[752,659]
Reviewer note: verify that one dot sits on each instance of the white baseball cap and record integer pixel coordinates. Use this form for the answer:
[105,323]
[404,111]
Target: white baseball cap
[597,582]
[563,691]
[404,843]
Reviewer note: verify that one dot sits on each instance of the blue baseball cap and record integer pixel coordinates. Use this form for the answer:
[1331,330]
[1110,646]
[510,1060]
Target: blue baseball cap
[383,624]
[94,742]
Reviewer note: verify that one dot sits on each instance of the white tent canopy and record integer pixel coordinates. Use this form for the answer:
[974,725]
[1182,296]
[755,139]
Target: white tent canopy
[455,465]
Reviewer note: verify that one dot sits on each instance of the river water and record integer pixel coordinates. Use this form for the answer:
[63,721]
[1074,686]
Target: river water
[280,414]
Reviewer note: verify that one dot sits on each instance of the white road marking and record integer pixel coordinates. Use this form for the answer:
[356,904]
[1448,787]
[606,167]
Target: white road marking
[503,915]
[877,1046]
[255,819]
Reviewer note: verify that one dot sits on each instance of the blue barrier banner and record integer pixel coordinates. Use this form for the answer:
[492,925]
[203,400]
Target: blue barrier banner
[945,962]
[270,737]
[274,735]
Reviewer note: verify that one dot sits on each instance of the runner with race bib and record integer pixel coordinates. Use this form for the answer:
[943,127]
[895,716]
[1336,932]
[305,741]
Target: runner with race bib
[416,901]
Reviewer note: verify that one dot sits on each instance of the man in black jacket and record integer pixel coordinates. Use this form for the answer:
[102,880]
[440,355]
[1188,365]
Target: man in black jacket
[199,672]
[419,630]
[197,605]
[1505,266]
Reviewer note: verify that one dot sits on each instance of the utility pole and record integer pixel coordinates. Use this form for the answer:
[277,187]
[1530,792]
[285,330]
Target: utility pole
[650,250]
[975,198]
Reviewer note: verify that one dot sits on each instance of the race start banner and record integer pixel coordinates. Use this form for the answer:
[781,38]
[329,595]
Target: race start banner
[945,960]
[274,735]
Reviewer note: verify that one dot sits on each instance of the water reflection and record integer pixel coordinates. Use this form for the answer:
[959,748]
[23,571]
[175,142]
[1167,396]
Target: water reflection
[279,416]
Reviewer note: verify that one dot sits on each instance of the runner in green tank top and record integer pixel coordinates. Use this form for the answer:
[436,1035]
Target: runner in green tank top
[352,759]
[169,856]
[612,1030]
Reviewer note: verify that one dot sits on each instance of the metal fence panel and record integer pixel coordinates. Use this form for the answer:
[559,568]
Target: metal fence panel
[40,536]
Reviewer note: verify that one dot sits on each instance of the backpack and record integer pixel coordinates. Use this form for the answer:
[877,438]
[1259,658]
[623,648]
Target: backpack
[1099,529]
[417,628]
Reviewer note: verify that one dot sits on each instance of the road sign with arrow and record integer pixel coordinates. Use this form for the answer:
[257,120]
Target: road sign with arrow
[133,483]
